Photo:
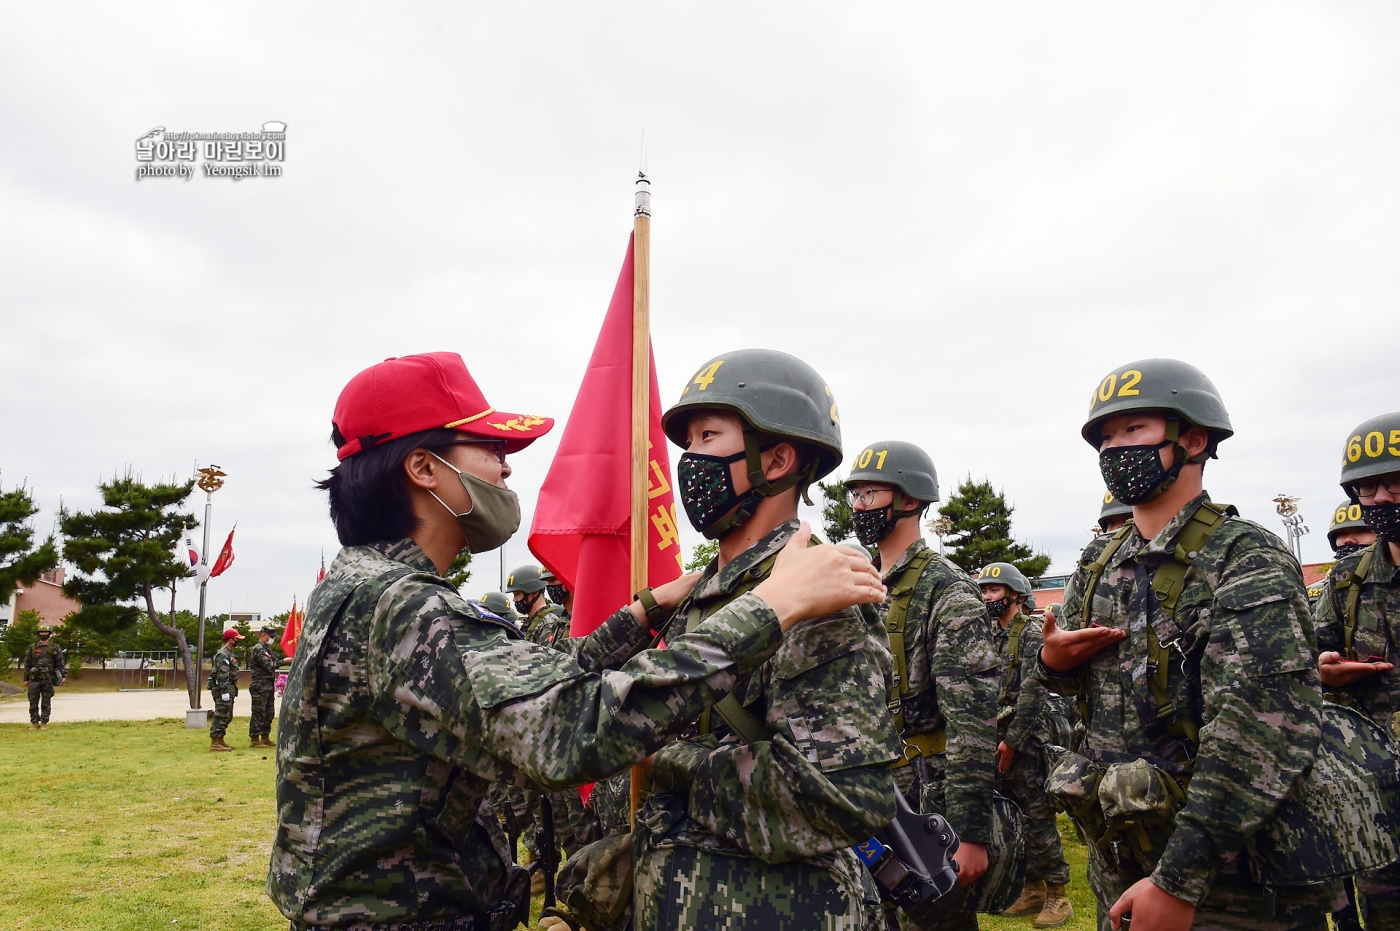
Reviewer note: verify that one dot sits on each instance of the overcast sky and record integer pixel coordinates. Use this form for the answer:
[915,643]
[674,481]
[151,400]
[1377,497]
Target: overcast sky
[962,215]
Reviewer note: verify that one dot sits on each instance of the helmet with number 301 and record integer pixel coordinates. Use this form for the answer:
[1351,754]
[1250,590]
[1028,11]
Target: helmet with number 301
[903,465]
[1166,385]
[1372,449]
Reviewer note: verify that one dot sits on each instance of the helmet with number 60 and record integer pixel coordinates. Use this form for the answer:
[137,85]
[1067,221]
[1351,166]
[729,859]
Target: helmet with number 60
[1347,516]
[1112,507]
[903,465]
[1372,449]
[772,392]
[1167,385]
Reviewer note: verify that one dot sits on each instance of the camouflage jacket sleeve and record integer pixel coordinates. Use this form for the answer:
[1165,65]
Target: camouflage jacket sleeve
[225,672]
[1327,619]
[966,673]
[1076,615]
[1262,705]
[465,690]
[823,782]
[1024,728]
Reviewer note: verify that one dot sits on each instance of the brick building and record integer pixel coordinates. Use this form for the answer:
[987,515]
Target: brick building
[45,596]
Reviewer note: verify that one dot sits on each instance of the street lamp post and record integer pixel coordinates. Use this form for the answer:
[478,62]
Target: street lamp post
[211,479]
[1293,526]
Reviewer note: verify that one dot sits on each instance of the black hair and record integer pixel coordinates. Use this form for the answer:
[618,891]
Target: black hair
[369,492]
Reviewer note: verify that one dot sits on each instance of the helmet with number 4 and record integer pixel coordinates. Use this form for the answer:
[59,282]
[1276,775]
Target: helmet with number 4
[903,465]
[772,392]
[1372,449]
[1347,516]
[1165,385]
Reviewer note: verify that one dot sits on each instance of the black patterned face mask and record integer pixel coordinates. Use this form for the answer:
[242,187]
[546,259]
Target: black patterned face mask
[1135,474]
[707,491]
[1346,549]
[1384,519]
[557,593]
[874,525]
[997,608]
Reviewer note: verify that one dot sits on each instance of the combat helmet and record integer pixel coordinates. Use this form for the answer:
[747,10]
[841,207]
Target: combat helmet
[498,604]
[1347,516]
[1003,573]
[1112,507]
[527,578]
[903,465]
[1160,385]
[774,394]
[45,629]
[1371,450]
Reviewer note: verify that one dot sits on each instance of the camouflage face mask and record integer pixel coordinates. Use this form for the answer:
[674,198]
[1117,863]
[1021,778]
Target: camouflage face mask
[1346,549]
[557,593]
[1135,474]
[1384,519]
[707,490]
[874,525]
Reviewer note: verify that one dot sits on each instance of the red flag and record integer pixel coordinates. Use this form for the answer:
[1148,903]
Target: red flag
[225,557]
[581,526]
[292,633]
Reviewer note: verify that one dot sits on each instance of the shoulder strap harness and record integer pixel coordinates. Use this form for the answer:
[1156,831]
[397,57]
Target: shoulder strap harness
[1013,652]
[1351,584]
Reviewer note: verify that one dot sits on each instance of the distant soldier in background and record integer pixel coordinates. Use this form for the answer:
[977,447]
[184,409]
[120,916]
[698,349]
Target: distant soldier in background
[1113,514]
[45,666]
[1349,532]
[1358,613]
[559,593]
[499,604]
[223,685]
[262,667]
[1021,715]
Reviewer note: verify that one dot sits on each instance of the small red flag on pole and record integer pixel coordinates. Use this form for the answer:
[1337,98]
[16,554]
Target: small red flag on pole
[292,634]
[225,557]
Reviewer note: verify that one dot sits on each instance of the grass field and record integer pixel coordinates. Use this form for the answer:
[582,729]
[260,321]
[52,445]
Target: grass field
[134,826]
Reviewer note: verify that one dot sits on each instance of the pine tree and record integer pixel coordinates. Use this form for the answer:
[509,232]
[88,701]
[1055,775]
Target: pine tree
[21,562]
[838,520]
[981,531]
[460,570]
[125,551]
[701,555]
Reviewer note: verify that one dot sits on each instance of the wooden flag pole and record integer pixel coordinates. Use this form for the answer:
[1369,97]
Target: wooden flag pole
[641,408]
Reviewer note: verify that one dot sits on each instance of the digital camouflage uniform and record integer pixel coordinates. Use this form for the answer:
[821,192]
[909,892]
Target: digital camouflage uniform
[404,703]
[757,835]
[223,685]
[262,666]
[44,665]
[574,823]
[1378,695]
[1250,684]
[953,673]
[1021,725]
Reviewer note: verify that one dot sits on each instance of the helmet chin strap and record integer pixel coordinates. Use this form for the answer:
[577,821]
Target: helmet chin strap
[762,488]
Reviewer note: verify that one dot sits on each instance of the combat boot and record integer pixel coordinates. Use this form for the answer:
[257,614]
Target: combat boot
[217,745]
[1057,909]
[33,725]
[1031,902]
[43,725]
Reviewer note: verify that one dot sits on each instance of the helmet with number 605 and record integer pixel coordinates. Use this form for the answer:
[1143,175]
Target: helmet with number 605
[903,465]
[772,392]
[1372,449]
[1166,385]
[1347,516]
[1112,507]
[1003,573]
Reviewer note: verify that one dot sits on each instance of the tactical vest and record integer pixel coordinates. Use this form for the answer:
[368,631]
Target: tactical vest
[1351,584]
[932,742]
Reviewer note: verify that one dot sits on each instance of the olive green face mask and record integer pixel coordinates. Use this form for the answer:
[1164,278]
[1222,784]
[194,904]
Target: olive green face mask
[494,516]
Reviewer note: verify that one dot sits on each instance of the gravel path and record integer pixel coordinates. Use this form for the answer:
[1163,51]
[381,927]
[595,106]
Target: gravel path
[118,706]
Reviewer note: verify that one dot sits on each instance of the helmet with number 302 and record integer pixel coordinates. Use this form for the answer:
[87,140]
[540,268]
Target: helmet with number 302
[1372,449]
[903,465]
[772,392]
[1166,385]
